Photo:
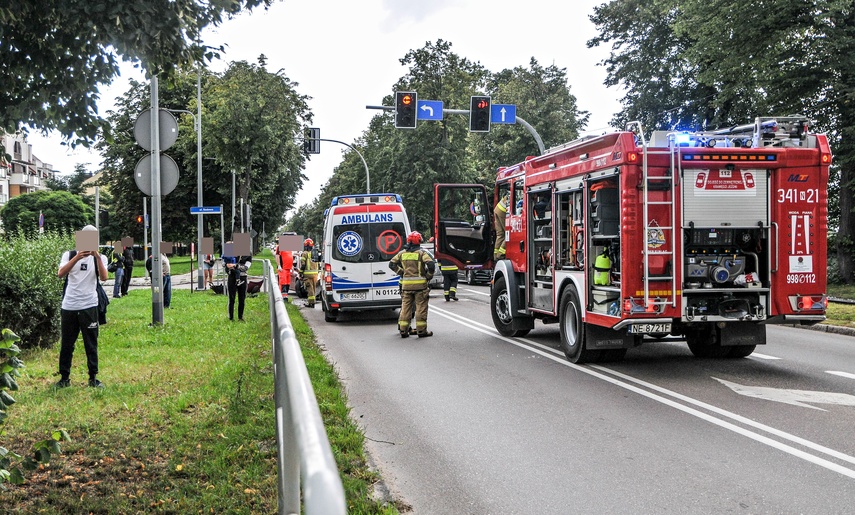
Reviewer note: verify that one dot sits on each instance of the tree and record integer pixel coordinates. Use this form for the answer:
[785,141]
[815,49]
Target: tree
[56,54]
[253,118]
[696,64]
[545,98]
[63,212]
[409,162]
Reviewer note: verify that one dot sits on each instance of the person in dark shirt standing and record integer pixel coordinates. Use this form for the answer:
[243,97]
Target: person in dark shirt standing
[129,269]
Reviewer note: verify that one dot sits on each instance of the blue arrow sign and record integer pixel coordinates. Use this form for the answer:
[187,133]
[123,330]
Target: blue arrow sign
[503,113]
[205,210]
[429,110]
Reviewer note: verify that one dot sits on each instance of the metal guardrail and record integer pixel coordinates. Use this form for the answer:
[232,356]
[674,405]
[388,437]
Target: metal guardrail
[304,449]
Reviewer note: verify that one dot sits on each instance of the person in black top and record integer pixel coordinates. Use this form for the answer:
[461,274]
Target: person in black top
[129,269]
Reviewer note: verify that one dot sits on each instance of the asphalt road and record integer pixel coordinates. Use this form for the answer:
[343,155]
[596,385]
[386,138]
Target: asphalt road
[469,421]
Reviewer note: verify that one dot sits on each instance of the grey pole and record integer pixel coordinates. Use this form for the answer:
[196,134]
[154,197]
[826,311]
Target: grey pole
[199,225]
[232,220]
[156,264]
[145,228]
[98,211]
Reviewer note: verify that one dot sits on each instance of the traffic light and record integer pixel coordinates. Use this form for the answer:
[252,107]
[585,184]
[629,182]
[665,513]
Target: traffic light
[139,219]
[312,141]
[405,109]
[479,114]
[105,217]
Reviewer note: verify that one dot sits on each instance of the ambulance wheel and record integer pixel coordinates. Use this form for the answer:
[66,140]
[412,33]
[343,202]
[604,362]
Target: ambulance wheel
[573,329]
[330,315]
[500,306]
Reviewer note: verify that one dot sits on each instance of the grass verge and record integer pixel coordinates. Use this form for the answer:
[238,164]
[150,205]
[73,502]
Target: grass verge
[186,423]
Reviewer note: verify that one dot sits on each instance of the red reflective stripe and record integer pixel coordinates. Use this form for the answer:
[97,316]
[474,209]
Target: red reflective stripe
[371,208]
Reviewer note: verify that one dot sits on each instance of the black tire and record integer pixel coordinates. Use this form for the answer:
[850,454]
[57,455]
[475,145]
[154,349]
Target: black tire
[500,307]
[330,315]
[704,344]
[573,329]
[740,351]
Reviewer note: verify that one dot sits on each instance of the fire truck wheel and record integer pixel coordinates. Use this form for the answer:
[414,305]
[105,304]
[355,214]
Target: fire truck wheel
[500,306]
[573,329]
[704,343]
[741,351]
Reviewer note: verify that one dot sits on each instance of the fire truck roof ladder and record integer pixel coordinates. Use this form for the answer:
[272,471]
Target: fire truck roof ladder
[650,226]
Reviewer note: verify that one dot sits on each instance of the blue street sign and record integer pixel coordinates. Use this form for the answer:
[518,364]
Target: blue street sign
[503,113]
[205,210]
[429,110]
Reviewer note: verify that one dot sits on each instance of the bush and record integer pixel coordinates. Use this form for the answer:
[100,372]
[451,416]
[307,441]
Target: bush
[30,288]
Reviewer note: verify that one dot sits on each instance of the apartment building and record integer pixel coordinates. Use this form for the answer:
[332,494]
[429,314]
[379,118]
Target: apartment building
[25,173]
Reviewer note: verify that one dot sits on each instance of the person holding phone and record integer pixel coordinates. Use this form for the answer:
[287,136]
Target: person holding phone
[79,310]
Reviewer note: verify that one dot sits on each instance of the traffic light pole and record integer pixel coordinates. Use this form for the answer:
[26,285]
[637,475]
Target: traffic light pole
[519,119]
[367,175]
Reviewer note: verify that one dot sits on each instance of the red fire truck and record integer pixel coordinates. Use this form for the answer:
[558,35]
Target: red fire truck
[705,237]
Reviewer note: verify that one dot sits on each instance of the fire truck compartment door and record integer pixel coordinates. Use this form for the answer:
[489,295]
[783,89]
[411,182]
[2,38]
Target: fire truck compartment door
[716,196]
[463,218]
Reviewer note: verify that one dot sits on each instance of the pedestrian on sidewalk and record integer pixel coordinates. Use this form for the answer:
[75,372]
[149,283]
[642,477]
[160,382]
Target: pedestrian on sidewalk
[129,270]
[118,274]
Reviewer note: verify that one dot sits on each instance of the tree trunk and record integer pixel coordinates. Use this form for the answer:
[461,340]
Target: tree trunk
[846,233]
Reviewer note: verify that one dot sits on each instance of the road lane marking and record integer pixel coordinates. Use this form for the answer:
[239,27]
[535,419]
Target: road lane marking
[475,291]
[757,355]
[623,381]
[788,396]
[841,374]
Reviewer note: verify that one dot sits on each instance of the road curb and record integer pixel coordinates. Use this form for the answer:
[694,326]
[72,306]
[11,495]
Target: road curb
[826,328]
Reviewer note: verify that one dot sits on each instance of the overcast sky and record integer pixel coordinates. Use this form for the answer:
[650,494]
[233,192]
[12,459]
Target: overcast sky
[346,55]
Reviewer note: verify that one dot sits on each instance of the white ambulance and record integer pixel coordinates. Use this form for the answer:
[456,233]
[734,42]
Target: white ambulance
[362,233]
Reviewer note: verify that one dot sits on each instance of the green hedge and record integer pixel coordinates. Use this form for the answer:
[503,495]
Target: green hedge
[30,291]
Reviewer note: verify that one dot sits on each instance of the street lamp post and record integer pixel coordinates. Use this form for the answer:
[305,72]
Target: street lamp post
[197,124]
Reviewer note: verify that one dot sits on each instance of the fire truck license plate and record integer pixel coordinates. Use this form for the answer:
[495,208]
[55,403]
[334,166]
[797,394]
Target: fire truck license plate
[650,328]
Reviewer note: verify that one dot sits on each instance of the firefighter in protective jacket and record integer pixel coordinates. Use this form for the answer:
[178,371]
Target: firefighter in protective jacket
[416,267]
[449,279]
[309,272]
[500,212]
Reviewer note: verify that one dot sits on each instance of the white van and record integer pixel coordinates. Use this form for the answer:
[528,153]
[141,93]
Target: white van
[362,233]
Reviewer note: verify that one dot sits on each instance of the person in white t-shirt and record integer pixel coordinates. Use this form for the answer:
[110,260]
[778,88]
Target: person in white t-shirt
[79,313]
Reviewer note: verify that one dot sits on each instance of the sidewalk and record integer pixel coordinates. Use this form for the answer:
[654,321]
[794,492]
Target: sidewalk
[182,282]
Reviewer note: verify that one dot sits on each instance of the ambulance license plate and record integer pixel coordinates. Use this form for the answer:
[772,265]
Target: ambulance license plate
[664,327]
[359,295]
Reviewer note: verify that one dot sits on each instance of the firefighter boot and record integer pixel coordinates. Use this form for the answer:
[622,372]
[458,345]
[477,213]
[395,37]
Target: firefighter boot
[454,295]
[447,296]
[425,334]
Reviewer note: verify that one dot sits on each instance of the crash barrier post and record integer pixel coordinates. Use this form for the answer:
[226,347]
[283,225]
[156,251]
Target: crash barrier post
[303,446]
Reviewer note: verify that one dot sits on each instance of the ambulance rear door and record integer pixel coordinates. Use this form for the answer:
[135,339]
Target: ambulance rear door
[364,239]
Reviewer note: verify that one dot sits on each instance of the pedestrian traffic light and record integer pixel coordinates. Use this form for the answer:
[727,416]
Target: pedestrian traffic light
[405,109]
[479,114]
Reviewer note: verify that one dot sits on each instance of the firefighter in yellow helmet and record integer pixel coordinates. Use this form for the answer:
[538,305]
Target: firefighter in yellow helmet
[309,272]
[499,214]
[416,267]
